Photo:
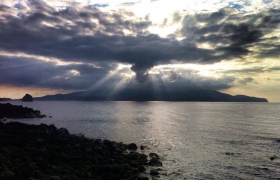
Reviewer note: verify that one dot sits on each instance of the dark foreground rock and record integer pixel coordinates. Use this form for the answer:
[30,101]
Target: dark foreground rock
[16,112]
[45,152]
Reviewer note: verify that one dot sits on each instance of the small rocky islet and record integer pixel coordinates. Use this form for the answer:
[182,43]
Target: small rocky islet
[44,152]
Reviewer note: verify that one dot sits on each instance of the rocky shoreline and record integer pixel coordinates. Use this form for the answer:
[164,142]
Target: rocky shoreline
[17,112]
[43,152]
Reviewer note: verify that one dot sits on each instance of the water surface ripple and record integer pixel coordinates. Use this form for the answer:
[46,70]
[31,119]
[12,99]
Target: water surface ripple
[196,140]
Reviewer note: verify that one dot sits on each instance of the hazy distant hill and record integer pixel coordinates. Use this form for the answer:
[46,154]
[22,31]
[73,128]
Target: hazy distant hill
[188,95]
[5,99]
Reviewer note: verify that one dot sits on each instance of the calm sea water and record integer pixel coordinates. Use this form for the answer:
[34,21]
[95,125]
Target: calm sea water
[196,140]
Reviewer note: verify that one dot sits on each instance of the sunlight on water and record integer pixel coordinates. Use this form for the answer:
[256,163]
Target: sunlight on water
[195,140]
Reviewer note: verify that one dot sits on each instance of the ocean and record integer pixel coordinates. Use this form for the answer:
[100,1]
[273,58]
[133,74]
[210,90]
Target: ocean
[196,140]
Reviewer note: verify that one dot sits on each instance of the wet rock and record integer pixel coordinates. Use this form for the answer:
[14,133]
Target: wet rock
[141,177]
[273,157]
[88,150]
[40,141]
[7,174]
[80,135]
[155,162]
[132,146]
[141,168]
[54,178]
[108,143]
[63,131]
[142,147]
[154,171]
[41,116]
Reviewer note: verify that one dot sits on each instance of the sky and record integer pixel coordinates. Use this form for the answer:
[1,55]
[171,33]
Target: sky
[50,47]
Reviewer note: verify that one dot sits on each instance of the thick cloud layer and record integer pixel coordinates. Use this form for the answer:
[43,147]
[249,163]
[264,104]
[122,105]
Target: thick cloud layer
[99,40]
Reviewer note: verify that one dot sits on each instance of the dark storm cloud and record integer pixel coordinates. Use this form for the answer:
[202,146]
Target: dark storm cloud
[31,72]
[90,35]
[28,72]
[232,34]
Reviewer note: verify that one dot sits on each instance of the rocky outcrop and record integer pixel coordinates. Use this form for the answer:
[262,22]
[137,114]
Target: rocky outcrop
[27,98]
[18,112]
[45,152]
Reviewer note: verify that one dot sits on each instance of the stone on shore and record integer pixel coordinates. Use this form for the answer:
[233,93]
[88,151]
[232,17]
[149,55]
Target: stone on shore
[154,171]
[132,146]
[141,177]
[155,162]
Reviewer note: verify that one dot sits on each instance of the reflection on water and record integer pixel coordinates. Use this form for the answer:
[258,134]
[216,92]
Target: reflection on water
[196,140]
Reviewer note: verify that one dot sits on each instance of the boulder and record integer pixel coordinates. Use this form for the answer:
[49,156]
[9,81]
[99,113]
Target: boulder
[155,162]
[132,146]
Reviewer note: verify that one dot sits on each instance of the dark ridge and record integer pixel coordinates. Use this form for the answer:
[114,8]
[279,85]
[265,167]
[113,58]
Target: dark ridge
[187,95]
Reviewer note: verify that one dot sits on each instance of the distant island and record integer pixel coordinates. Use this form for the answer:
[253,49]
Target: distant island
[5,99]
[200,95]
[27,98]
